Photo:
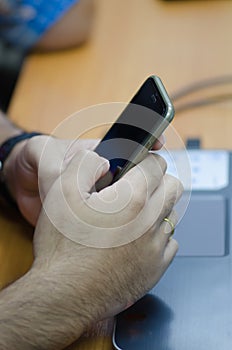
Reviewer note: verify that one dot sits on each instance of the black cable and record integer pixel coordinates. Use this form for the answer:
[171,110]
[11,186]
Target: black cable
[203,102]
[198,86]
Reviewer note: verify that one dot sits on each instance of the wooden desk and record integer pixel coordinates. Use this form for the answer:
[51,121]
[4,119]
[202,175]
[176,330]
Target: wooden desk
[181,41]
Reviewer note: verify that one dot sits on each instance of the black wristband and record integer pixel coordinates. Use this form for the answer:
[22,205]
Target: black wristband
[5,150]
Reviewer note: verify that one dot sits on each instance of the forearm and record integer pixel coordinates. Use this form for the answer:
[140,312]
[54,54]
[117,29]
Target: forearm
[8,129]
[34,314]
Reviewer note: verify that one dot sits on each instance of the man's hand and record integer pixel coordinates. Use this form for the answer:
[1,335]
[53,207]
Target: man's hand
[92,282]
[74,280]
[22,167]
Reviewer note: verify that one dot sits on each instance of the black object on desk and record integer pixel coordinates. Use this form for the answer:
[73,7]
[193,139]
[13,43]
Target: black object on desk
[11,60]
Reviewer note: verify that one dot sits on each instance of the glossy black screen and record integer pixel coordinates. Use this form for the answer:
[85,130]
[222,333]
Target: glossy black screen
[133,126]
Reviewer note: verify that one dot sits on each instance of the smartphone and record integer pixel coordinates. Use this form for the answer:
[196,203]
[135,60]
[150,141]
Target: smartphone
[136,130]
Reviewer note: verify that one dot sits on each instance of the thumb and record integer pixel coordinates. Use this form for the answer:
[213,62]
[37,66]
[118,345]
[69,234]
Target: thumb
[85,168]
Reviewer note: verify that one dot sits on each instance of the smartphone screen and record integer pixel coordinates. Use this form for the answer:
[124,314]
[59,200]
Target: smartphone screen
[135,128]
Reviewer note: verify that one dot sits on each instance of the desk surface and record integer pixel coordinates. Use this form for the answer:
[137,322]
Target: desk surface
[181,41]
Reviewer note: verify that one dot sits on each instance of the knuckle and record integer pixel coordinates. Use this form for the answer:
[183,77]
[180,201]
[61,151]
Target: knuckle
[79,161]
[174,245]
[171,193]
[173,187]
[32,144]
[83,153]
[174,217]
[138,199]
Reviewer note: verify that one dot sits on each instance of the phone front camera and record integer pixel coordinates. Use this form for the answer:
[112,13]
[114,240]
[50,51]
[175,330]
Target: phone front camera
[153,98]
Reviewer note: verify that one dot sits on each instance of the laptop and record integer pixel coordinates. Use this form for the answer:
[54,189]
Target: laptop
[191,306]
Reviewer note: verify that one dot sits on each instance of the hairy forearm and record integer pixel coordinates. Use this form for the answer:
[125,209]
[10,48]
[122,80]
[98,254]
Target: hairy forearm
[34,314]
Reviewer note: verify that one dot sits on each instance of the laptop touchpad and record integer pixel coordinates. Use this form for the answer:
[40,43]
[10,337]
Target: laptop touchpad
[201,232]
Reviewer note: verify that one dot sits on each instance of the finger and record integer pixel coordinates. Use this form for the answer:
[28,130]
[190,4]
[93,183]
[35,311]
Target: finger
[147,175]
[85,168]
[141,181]
[159,143]
[161,202]
[162,232]
[166,196]
[170,251]
[166,229]
[89,144]
[78,145]
[128,196]
[33,150]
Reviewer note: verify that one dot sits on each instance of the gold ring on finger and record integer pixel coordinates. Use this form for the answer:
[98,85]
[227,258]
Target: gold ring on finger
[171,225]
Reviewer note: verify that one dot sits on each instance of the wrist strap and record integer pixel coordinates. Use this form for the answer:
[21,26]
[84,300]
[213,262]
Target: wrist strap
[9,144]
[5,150]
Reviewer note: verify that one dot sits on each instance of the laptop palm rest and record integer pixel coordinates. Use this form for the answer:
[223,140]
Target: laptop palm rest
[190,308]
[201,231]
